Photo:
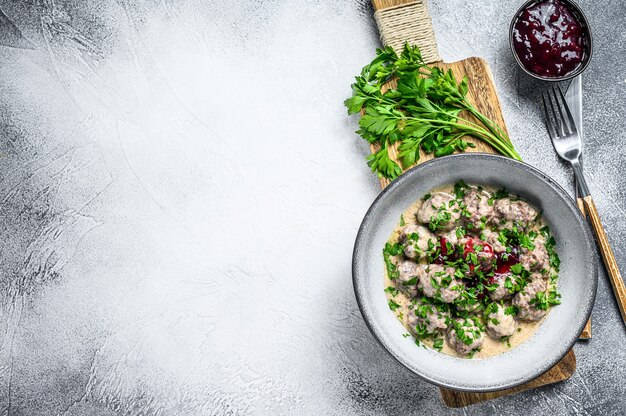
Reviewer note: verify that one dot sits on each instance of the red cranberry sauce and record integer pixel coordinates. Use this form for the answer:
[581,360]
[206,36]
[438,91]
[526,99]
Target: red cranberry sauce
[486,249]
[444,253]
[548,39]
[504,261]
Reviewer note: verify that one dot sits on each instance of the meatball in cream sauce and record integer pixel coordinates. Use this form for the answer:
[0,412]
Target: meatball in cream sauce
[471,271]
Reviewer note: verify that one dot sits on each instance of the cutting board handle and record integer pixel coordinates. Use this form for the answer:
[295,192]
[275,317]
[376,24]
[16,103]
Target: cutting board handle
[401,21]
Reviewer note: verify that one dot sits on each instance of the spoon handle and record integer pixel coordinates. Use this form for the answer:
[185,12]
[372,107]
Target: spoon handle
[607,256]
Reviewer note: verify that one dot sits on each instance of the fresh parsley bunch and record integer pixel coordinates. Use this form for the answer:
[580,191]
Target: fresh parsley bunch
[422,112]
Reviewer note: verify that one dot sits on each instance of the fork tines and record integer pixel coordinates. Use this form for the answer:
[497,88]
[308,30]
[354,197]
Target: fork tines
[563,123]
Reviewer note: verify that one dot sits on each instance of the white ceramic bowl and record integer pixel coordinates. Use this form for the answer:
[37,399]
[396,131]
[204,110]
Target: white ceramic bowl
[578,275]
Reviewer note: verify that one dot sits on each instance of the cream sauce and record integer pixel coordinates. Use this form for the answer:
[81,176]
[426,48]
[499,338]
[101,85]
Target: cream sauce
[490,347]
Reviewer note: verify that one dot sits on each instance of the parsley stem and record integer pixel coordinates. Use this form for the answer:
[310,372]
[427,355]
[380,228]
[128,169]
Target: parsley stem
[428,100]
[474,130]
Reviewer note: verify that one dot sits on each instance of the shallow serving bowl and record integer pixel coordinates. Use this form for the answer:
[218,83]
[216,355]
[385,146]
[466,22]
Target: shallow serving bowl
[578,277]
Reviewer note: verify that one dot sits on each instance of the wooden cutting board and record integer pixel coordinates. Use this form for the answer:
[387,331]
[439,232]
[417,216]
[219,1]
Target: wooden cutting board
[408,20]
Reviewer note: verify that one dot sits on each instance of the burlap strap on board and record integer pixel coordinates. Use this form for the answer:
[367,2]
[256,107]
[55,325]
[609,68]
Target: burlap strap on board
[411,23]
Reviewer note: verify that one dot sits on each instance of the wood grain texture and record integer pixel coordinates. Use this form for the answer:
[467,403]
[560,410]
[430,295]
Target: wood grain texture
[482,94]
[607,255]
[385,4]
[562,371]
[586,332]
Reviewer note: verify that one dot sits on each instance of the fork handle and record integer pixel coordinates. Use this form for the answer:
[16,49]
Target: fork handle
[581,182]
[607,256]
[586,332]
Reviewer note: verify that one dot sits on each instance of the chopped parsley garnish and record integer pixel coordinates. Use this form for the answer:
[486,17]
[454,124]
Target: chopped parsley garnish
[543,300]
[506,339]
[438,344]
[491,308]
[516,283]
[517,268]
[391,290]
[472,258]
[526,241]
[393,305]
[434,283]
[511,310]
[389,251]
[410,282]
[499,194]
[502,237]
[555,261]
[440,220]
[459,189]
[473,352]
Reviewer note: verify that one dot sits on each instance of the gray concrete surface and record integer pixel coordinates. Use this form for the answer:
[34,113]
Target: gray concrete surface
[180,190]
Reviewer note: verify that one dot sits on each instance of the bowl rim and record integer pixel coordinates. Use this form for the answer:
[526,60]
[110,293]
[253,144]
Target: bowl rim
[500,159]
[585,24]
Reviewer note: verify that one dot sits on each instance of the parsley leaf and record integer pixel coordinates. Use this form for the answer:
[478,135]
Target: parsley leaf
[555,261]
[543,300]
[438,344]
[393,305]
[423,113]
[392,290]
[459,189]
[381,163]
[388,251]
[499,194]
[410,282]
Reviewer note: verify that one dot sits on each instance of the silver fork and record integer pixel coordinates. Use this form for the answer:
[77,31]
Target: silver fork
[568,145]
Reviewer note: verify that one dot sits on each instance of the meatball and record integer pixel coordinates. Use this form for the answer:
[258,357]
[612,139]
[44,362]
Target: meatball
[441,211]
[538,276]
[501,292]
[417,240]
[465,336]
[499,323]
[477,209]
[451,237]
[527,311]
[492,238]
[485,257]
[507,212]
[439,282]
[428,317]
[537,259]
[408,276]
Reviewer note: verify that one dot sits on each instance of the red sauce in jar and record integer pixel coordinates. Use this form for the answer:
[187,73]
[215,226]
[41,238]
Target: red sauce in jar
[548,39]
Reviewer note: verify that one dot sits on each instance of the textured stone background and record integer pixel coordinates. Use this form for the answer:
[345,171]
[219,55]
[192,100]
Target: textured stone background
[180,189]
